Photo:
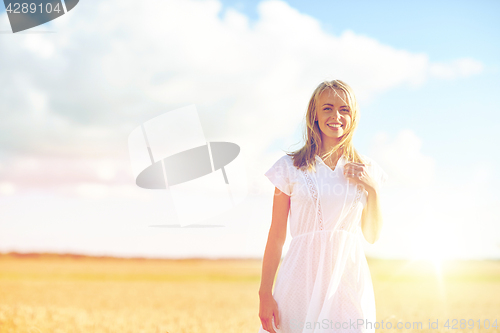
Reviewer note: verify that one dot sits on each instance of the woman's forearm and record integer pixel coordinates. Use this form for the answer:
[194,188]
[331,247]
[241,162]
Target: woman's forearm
[371,219]
[272,257]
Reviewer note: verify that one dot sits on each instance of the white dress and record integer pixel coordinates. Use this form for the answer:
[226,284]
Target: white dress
[324,283]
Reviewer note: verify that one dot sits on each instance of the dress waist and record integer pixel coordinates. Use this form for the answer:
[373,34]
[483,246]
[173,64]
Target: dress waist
[324,231]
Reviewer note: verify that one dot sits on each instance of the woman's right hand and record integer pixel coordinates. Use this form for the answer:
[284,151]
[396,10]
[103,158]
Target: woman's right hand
[267,310]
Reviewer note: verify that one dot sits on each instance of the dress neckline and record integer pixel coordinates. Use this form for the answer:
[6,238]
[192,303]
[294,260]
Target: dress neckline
[339,162]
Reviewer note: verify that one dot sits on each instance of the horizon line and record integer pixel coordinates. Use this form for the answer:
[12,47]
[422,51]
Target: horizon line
[27,255]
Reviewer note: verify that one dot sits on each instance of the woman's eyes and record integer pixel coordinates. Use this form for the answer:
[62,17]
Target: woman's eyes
[341,110]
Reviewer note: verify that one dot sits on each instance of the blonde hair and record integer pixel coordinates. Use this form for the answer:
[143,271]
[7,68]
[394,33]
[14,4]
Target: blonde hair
[304,158]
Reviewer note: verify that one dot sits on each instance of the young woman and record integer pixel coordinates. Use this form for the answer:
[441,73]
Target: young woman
[331,193]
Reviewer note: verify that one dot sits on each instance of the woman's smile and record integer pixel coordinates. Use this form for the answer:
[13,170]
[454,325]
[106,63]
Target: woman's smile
[335,127]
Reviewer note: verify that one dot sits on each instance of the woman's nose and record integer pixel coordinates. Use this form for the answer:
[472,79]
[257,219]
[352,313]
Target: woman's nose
[336,115]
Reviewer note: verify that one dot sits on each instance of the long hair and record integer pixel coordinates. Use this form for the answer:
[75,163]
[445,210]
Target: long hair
[304,158]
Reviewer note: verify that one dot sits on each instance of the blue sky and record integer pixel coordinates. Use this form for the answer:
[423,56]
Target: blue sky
[426,75]
[457,119]
[443,29]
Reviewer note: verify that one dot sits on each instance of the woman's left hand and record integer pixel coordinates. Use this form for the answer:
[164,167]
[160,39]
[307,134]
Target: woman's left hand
[358,173]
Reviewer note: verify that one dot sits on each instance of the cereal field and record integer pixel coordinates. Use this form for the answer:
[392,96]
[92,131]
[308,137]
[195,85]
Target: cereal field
[57,293]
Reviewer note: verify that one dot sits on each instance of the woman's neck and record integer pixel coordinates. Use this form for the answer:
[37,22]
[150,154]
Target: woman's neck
[333,158]
[337,153]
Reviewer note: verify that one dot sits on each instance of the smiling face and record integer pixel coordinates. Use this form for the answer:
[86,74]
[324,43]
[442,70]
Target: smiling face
[333,115]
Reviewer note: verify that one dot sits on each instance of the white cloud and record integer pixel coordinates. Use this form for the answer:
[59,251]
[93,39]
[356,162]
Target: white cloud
[427,217]
[403,160]
[458,68]
[7,188]
[70,176]
[40,45]
[116,63]
[76,94]
[92,190]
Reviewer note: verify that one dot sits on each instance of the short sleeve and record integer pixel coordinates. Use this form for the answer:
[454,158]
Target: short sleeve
[279,175]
